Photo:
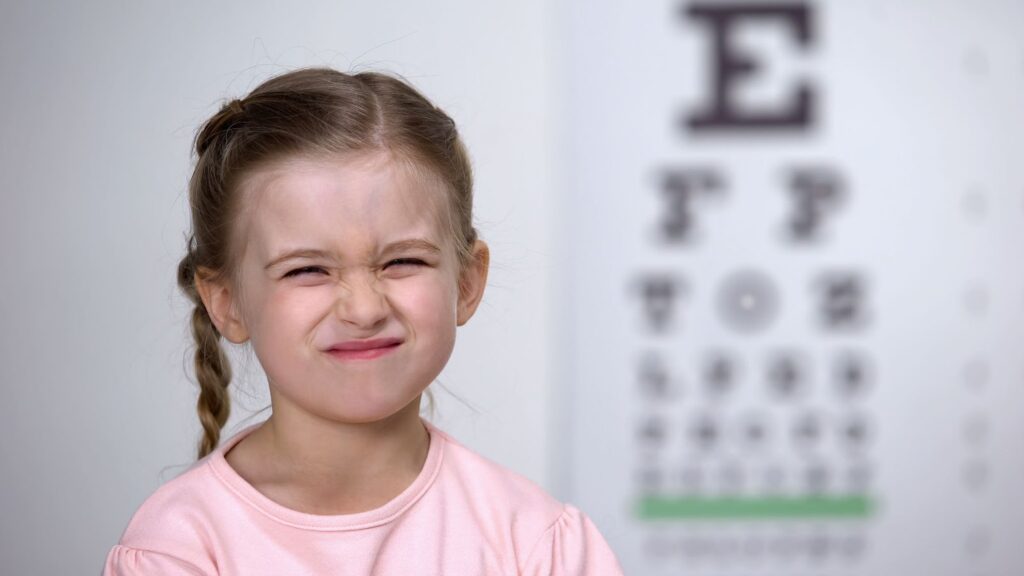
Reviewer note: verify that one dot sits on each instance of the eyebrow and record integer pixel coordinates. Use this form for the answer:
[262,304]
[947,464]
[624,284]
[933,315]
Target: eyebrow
[410,244]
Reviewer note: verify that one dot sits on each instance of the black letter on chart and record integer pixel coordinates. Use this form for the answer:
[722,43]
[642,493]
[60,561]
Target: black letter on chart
[731,67]
[815,192]
[843,301]
[658,294]
[680,186]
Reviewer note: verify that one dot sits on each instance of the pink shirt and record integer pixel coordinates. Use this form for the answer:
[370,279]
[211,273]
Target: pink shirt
[462,515]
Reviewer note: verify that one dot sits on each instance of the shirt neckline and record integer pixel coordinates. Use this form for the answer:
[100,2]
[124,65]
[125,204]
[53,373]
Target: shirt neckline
[356,521]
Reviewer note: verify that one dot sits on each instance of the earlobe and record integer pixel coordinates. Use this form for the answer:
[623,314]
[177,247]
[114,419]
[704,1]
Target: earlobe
[472,282]
[222,308]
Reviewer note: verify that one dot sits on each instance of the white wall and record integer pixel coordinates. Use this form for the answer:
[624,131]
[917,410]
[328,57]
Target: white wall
[99,103]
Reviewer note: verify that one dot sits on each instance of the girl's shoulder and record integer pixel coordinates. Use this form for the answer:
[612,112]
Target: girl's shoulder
[492,490]
[172,527]
[491,479]
[549,536]
[182,495]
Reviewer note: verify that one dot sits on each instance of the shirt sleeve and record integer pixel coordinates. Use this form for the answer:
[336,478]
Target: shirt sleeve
[572,546]
[125,561]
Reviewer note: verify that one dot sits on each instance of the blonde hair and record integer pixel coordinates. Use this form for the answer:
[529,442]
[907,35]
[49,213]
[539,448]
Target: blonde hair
[311,111]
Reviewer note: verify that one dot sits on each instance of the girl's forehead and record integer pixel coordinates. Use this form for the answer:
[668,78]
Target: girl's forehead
[354,200]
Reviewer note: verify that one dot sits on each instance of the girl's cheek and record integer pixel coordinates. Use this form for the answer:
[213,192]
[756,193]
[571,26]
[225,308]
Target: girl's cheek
[426,293]
[294,304]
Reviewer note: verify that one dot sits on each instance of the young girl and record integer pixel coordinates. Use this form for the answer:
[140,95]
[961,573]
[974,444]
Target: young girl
[332,229]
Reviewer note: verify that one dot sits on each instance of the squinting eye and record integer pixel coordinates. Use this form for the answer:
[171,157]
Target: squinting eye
[409,261]
[301,271]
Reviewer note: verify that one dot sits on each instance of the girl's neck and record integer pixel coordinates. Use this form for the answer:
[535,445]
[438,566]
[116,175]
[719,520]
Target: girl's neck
[326,467]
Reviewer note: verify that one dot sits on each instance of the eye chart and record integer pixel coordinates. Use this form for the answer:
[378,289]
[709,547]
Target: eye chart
[795,236]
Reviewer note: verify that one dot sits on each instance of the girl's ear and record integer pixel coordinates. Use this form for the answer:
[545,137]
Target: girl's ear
[221,305]
[472,282]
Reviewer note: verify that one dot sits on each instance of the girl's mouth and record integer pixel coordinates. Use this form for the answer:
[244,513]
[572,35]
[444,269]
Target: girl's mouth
[363,349]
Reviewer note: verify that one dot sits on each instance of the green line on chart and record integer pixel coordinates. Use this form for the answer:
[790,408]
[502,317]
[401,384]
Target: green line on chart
[690,507]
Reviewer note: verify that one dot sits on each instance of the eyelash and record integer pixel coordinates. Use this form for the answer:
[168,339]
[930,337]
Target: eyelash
[303,270]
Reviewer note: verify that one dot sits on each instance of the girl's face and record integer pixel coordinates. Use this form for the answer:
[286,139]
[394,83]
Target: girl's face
[340,254]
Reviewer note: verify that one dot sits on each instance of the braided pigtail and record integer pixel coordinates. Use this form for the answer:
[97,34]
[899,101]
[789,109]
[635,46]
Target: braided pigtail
[213,370]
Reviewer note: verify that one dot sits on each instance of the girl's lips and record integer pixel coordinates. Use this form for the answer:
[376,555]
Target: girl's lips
[363,349]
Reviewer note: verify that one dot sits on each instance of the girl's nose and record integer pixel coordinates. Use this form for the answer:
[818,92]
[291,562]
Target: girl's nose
[362,304]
